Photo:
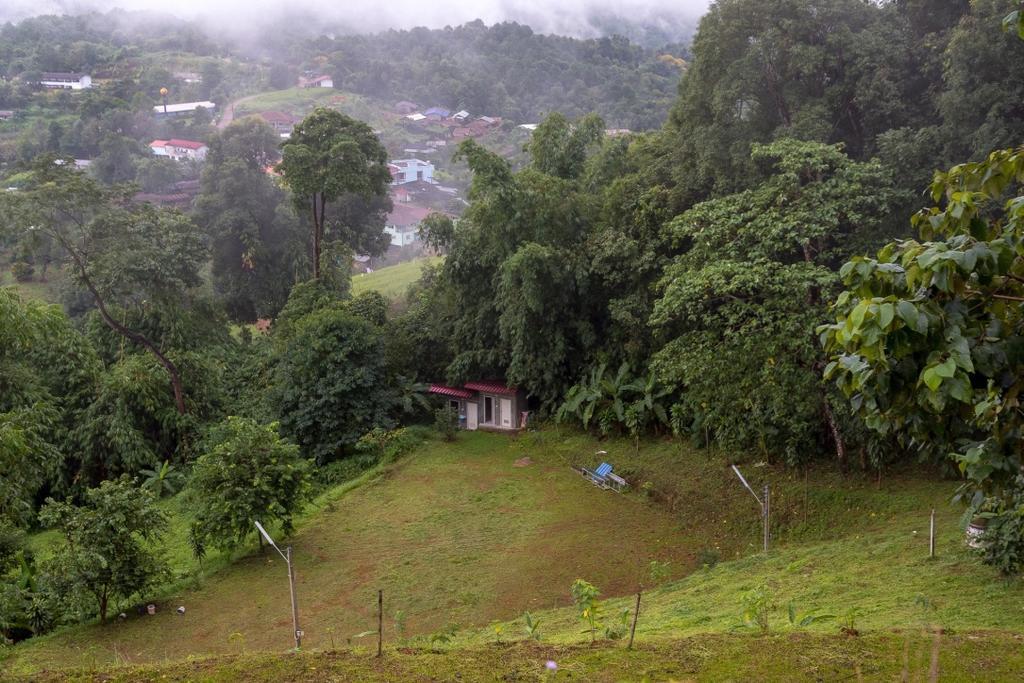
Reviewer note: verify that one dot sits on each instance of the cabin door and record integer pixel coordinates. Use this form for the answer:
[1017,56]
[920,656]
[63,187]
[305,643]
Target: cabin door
[506,413]
[471,416]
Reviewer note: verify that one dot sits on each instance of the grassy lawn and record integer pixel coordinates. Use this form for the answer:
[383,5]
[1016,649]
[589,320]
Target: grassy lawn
[48,291]
[460,539]
[300,101]
[910,656]
[392,281]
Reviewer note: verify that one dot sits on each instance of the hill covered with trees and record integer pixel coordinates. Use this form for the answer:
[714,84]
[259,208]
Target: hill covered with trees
[777,274]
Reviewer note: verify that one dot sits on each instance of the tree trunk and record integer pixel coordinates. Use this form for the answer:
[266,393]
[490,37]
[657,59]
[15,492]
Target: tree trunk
[103,606]
[316,240]
[837,435]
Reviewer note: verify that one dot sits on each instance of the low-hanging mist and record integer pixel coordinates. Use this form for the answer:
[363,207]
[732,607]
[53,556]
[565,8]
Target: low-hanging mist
[646,20]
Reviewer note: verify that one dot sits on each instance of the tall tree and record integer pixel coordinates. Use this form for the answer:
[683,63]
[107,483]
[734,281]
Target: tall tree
[740,306]
[258,251]
[928,337]
[131,256]
[329,157]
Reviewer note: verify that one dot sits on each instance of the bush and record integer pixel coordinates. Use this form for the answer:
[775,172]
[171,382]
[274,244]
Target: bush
[248,473]
[22,271]
[1003,540]
[446,421]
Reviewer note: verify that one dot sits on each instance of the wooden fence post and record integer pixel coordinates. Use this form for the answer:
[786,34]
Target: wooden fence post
[636,615]
[380,623]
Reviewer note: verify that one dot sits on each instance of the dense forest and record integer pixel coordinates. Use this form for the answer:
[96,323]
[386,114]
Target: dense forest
[628,85]
[777,270]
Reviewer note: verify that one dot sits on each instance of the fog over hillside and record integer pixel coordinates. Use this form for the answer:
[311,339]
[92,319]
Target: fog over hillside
[643,20]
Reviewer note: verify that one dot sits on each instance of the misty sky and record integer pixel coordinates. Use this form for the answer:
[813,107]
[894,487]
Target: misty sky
[567,17]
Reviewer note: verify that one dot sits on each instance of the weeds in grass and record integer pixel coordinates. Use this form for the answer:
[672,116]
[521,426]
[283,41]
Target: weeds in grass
[584,596]
[531,626]
[757,607]
[708,558]
[400,628]
[657,571]
[444,636]
[238,639]
[849,625]
[619,630]
[804,619]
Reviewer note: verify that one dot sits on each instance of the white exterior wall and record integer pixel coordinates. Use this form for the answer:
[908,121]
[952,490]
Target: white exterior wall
[179,153]
[81,84]
[409,172]
[401,237]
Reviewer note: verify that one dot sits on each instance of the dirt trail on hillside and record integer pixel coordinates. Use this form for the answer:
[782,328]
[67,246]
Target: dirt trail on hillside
[229,111]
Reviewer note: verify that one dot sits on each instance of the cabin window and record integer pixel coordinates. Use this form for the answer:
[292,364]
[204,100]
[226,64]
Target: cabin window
[454,405]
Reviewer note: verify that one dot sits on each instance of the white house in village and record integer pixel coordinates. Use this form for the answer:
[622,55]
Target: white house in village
[182,108]
[319,82]
[403,223]
[410,170]
[179,149]
[65,80]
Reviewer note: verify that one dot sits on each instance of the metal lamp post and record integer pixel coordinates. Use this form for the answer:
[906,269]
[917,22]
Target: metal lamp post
[287,555]
[765,509]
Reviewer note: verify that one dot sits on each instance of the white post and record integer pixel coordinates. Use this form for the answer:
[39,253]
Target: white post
[295,604]
[766,512]
[931,535]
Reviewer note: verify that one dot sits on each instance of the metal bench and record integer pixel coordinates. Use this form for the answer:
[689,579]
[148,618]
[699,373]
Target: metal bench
[598,476]
[615,482]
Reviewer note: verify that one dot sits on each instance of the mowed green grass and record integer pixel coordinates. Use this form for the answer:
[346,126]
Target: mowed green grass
[458,536]
[300,101]
[392,281]
[48,292]
[910,656]
[455,534]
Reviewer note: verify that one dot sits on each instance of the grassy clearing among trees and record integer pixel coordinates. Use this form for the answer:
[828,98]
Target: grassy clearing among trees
[482,541]
[392,281]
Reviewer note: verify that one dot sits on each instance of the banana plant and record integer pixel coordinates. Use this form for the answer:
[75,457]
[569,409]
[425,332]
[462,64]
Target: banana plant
[165,479]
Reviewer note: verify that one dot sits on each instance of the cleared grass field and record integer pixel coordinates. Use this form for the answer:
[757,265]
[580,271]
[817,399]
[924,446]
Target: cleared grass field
[301,101]
[461,539]
[392,281]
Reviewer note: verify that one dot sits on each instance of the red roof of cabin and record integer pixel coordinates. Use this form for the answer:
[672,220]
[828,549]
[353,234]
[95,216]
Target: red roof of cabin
[450,391]
[491,388]
[187,144]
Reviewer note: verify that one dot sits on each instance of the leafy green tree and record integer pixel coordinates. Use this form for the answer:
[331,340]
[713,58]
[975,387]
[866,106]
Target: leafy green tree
[124,255]
[258,251]
[107,547]
[824,70]
[928,334]
[330,157]
[559,148]
[980,102]
[740,306]
[47,378]
[247,474]
[331,382]
[27,460]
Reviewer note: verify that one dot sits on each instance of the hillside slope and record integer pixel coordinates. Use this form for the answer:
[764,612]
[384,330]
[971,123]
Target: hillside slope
[459,537]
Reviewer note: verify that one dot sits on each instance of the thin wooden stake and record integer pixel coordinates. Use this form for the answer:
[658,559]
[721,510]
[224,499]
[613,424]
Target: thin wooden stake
[931,536]
[380,623]
[636,615]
